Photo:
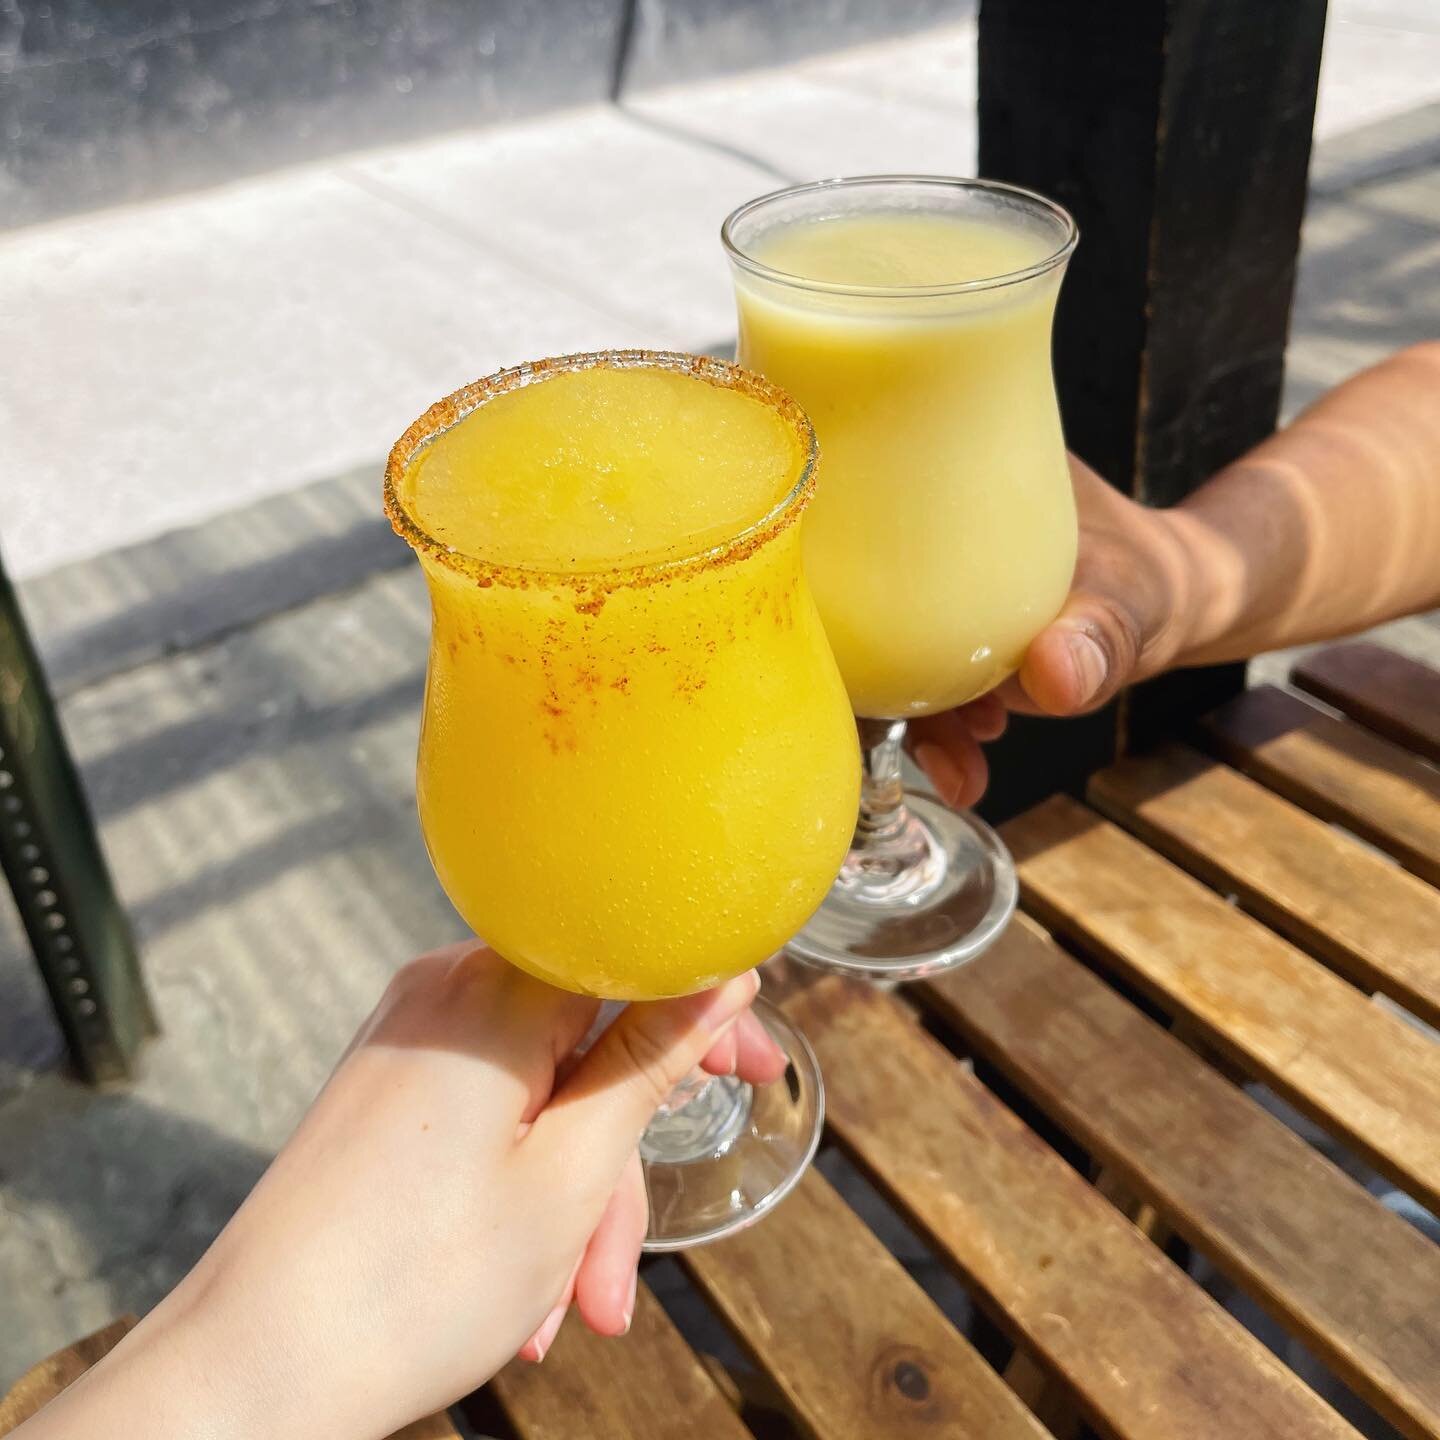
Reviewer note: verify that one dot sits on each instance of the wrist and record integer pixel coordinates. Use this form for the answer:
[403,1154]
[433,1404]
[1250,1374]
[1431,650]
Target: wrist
[1204,582]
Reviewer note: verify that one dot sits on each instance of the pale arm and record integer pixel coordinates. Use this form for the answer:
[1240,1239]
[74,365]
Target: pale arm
[450,1189]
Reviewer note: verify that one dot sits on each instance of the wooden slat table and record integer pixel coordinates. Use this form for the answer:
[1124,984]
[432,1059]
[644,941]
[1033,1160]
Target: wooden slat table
[1203,920]
[1371,921]
[1119,1335]
[1389,693]
[1335,769]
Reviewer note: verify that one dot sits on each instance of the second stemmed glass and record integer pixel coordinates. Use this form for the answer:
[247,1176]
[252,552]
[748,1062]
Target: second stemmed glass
[910,315]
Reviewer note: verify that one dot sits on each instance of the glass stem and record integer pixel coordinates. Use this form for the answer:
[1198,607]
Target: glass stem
[701,1115]
[882,788]
[893,858]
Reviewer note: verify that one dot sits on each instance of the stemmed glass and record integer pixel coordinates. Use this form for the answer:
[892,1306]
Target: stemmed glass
[637,770]
[945,538]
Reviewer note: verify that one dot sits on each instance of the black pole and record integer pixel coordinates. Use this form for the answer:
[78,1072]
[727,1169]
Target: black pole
[1178,134]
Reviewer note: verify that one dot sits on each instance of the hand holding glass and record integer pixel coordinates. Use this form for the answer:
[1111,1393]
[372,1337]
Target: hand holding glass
[637,768]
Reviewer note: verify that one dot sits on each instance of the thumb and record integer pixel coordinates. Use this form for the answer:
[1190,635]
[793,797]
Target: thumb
[627,1074]
[1082,658]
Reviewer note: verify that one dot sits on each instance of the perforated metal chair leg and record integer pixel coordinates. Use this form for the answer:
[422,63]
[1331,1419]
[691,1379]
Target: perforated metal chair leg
[53,862]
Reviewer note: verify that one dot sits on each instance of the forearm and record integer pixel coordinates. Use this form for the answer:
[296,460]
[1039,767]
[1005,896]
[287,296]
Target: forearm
[1329,526]
[178,1376]
[140,1388]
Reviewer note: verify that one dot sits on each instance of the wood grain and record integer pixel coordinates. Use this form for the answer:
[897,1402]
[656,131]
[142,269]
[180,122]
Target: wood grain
[853,1343]
[1335,769]
[650,1384]
[1362,915]
[1350,1277]
[1392,694]
[1148,1354]
[1358,1070]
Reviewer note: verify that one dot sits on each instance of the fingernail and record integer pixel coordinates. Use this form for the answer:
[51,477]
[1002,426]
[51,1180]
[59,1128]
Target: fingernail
[630,1304]
[545,1335]
[1089,662]
[944,774]
[714,1009]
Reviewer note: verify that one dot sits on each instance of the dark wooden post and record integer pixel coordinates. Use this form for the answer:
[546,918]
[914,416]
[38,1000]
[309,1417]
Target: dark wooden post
[52,860]
[1178,134]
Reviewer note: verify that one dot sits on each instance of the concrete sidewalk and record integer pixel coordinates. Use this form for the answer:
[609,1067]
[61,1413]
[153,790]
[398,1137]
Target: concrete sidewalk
[243,695]
[180,358]
[220,346]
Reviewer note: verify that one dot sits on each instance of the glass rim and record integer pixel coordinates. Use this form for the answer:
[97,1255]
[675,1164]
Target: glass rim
[599,579]
[748,263]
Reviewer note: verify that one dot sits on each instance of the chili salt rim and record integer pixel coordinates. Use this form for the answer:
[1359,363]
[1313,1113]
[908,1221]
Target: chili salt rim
[598,581]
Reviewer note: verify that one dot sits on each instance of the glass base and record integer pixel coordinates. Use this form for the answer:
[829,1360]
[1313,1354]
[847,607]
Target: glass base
[721,1153]
[948,898]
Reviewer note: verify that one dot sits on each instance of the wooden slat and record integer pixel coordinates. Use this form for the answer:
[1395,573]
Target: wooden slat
[1336,770]
[1368,919]
[1360,1071]
[1350,1277]
[650,1383]
[43,1382]
[1392,694]
[1149,1355]
[853,1343]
